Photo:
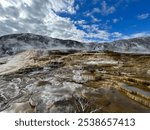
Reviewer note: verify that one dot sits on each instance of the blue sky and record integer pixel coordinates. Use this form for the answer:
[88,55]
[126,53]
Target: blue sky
[81,20]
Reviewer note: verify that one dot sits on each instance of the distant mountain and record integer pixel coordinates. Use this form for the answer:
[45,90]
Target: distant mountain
[15,43]
[135,45]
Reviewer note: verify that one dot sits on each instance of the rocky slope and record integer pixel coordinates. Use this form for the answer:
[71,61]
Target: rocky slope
[45,81]
[41,74]
[135,45]
[15,43]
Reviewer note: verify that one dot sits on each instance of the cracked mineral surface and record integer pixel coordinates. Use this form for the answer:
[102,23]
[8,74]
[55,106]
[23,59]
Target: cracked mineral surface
[54,81]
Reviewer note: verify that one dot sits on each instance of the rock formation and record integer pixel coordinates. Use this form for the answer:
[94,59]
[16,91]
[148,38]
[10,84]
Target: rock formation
[43,79]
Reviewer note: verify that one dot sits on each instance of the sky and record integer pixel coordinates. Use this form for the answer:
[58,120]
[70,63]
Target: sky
[80,20]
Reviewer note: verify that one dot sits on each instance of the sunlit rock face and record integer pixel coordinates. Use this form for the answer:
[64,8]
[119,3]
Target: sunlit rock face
[42,80]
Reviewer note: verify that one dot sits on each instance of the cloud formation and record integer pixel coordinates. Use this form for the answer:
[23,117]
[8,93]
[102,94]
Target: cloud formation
[106,10]
[115,20]
[143,16]
[141,34]
[43,18]
[36,16]
[40,17]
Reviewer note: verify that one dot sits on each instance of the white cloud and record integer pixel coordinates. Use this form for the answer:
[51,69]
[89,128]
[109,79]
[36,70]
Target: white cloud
[95,19]
[62,27]
[36,16]
[136,35]
[96,10]
[5,3]
[115,20]
[62,5]
[143,16]
[77,7]
[91,28]
[14,3]
[81,22]
[103,10]
[91,15]
[106,10]
[142,34]
[116,34]
[93,32]
[23,14]
[101,34]
[2,18]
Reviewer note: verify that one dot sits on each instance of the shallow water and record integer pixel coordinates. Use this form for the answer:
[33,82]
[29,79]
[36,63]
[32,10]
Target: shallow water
[137,90]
